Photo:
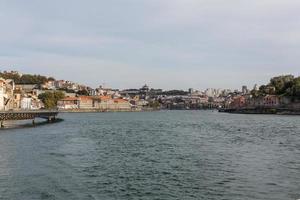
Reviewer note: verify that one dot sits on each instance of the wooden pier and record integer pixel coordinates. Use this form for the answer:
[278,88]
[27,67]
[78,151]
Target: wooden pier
[27,115]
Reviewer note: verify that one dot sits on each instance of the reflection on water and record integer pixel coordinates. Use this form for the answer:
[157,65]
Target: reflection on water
[27,123]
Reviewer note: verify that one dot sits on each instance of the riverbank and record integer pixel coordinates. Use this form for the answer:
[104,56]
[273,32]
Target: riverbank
[274,111]
[106,110]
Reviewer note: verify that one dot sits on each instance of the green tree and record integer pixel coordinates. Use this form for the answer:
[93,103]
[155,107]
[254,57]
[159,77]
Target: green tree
[154,104]
[50,99]
[255,93]
[8,75]
[282,83]
[51,79]
[295,88]
[83,92]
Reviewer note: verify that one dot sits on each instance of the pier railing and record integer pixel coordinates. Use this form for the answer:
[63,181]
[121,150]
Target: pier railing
[50,115]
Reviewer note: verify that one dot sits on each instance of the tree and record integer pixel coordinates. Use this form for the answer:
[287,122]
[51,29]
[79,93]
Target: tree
[51,79]
[295,89]
[175,92]
[282,83]
[255,93]
[262,90]
[154,104]
[83,92]
[9,75]
[25,78]
[32,79]
[50,99]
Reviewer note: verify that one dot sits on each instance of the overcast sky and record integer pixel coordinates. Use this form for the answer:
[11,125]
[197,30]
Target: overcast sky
[164,43]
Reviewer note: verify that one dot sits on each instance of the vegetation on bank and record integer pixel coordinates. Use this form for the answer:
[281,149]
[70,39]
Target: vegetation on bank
[50,99]
[286,85]
[154,104]
[26,78]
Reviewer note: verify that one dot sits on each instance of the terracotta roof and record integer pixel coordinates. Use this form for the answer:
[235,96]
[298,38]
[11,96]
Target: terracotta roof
[120,101]
[103,98]
[70,99]
[86,97]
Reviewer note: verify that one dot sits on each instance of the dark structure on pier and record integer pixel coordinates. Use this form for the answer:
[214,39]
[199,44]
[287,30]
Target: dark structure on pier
[27,115]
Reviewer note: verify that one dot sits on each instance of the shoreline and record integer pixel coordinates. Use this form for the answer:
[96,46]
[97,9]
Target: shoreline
[268,111]
[104,110]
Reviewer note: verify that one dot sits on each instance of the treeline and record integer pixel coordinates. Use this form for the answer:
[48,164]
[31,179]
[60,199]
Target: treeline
[174,93]
[286,85]
[26,78]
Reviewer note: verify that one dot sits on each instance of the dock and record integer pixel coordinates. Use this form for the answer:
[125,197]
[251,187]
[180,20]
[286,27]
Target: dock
[49,115]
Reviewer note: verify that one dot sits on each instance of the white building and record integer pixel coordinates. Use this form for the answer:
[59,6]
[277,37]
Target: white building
[6,93]
[2,93]
[26,103]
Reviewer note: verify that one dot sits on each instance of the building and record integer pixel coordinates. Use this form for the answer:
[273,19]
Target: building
[271,101]
[26,103]
[108,103]
[68,103]
[86,102]
[238,102]
[144,89]
[2,93]
[7,88]
[94,103]
[245,90]
[26,88]
[49,85]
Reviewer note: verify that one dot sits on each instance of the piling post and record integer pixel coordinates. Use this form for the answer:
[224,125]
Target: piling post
[1,124]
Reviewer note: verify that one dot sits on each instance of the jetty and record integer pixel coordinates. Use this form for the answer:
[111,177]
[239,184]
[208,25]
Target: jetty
[49,115]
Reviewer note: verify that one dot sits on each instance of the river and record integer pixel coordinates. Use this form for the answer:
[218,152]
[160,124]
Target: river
[184,155]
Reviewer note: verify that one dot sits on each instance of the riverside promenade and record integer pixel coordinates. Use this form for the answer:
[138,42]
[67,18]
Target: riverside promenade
[49,115]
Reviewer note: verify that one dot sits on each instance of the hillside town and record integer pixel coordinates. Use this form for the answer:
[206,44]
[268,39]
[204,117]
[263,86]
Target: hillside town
[32,92]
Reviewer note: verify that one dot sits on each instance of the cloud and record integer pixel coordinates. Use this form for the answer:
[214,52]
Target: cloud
[168,43]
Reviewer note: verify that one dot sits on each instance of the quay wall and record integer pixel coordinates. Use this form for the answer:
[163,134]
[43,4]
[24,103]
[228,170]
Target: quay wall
[277,111]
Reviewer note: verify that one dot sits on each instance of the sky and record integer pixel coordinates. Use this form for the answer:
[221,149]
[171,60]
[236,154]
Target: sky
[167,44]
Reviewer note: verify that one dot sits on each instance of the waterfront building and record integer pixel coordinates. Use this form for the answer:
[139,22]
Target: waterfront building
[6,94]
[94,103]
[271,101]
[68,103]
[2,93]
[86,102]
[108,103]
[238,102]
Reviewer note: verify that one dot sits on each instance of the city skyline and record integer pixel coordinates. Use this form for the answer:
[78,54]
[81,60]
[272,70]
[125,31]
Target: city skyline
[166,44]
[242,88]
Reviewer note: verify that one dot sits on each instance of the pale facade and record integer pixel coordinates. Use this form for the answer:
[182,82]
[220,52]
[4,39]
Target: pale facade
[6,94]
[96,103]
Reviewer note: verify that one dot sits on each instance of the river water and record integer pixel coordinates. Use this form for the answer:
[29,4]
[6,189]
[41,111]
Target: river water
[182,155]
